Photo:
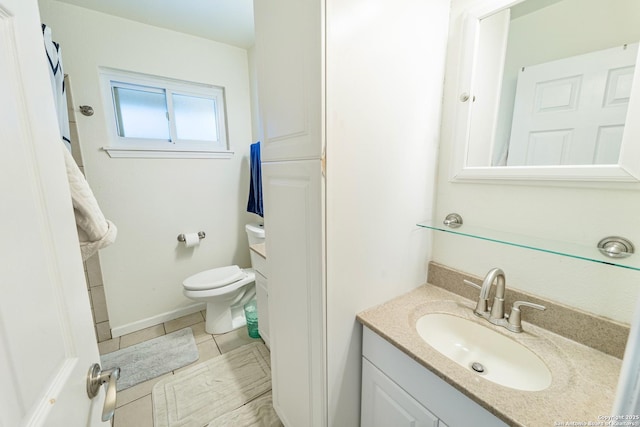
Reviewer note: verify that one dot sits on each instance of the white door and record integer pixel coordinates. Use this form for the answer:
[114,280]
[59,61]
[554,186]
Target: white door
[47,342]
[572,111]
[289,64]
[293,220]
[487,85]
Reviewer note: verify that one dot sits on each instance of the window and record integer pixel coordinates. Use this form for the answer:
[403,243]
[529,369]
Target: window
[152,116]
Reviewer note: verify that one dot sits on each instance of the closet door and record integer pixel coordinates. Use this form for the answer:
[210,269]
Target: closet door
[293,217]
[289,38]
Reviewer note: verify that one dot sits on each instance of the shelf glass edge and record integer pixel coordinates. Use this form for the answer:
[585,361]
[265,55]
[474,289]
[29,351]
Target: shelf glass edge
[572,250]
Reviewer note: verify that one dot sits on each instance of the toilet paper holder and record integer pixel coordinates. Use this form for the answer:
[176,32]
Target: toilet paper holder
[201,235]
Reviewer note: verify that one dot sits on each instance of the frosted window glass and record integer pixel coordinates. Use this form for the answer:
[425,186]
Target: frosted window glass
[141,114]
[195,118]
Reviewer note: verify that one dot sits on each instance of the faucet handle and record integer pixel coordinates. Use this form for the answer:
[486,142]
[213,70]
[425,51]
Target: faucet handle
[515,318]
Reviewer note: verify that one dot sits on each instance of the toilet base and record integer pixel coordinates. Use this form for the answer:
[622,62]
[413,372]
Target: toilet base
[220,322]
[221,318]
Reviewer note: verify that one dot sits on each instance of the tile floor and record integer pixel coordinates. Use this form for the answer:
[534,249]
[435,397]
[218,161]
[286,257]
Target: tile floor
[134,407]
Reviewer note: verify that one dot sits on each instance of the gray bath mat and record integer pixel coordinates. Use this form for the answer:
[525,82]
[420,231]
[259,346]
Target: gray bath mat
[209,390]
[150,359]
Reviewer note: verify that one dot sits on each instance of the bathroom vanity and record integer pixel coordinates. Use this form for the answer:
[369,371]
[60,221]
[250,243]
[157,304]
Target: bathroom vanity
[400,391]
[405,381]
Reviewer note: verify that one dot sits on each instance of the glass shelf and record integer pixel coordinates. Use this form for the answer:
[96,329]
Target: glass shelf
[567,249]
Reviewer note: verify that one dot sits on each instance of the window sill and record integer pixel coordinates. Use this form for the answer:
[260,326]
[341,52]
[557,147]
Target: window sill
[163,153]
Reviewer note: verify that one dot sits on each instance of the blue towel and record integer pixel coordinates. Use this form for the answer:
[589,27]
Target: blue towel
[255,187]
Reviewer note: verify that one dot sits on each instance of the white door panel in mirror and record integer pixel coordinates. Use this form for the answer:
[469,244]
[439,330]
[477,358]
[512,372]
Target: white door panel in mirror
[539,33]
[574,107]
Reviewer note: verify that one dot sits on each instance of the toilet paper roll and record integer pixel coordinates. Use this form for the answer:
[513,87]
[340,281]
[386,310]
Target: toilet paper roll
[191,240]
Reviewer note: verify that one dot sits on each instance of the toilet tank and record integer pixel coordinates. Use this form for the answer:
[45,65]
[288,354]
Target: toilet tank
[255,233]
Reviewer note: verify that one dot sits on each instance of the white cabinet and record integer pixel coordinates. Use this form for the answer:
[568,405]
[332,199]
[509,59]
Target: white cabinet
[262,297]
[398,389]
[330,80]
[385,404]
[288,49]
[293,219]
[289,67]
[259,264]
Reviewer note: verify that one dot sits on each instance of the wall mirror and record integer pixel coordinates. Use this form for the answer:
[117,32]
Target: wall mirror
[549,90]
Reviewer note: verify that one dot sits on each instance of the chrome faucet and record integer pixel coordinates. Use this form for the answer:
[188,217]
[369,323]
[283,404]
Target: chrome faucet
[496,314]
[482,307]
[497,308]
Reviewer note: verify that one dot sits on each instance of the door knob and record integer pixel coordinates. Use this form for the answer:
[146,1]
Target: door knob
[95,378]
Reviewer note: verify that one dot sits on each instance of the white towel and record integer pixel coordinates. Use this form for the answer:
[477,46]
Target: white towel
[94,230]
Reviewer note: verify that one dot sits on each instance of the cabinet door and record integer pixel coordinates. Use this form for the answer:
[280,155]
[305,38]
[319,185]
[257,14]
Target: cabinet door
[385,404]
[262,295]
[293,220]
[424,386]
[289,70]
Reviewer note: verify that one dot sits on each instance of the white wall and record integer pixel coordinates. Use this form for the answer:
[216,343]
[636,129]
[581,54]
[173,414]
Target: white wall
[581,215]
[385,68]
[256,126]
[151,201]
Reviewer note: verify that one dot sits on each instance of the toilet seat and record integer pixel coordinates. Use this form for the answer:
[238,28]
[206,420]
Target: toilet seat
[248,276]
[214,278]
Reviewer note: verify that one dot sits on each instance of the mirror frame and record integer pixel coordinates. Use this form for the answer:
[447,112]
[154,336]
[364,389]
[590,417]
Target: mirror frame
[626,171]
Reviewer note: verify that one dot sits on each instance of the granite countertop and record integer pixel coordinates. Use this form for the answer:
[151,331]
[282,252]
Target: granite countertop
[260,249]
[583,384]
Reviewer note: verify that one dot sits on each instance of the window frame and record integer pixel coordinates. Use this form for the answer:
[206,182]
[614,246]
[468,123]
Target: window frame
[161,148]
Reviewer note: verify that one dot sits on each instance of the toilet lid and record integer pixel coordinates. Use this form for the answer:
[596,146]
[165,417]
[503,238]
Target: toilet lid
[214,278]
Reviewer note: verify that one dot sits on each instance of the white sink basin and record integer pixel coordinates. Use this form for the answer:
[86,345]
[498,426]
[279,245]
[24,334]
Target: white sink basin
[479,348]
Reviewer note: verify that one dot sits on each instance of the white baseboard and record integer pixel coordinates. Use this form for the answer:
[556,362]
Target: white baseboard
[156,320]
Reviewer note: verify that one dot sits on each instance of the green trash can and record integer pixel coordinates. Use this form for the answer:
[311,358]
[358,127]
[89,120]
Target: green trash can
[251,314]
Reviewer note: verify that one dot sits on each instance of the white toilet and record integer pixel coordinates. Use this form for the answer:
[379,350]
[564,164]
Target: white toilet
[225,290]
